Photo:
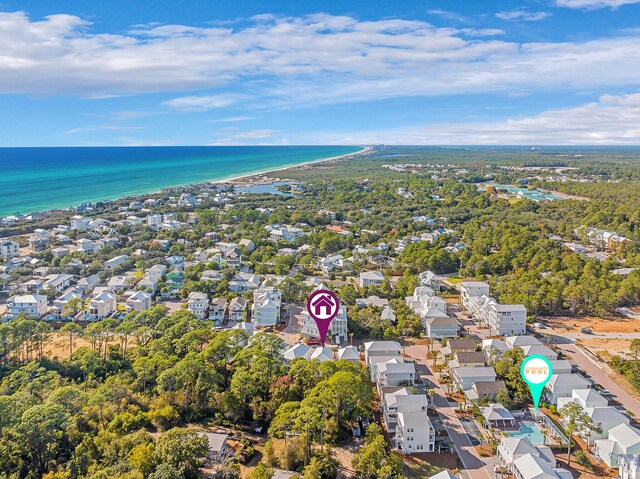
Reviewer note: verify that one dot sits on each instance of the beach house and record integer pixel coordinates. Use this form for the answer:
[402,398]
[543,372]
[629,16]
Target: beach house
[338,330]
[101,306]
[9,249]
[464,378]
[621,440]
[217,309]
[198,304]
[414,432]
[265,310]
[31,305]
[371,278]
[237,309]
[139,301]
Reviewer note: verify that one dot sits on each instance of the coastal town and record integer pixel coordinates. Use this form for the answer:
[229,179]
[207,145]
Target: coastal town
[420,373]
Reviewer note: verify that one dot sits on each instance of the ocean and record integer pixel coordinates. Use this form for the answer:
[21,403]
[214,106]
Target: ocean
[39,179]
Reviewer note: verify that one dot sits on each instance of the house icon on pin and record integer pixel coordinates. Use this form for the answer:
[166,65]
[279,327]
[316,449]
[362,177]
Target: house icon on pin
[323,301]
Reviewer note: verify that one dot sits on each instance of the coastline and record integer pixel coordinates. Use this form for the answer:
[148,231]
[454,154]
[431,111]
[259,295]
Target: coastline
[243,180]
[236,179]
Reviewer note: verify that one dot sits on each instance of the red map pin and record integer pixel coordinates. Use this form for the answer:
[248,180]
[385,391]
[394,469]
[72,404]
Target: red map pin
[323,306]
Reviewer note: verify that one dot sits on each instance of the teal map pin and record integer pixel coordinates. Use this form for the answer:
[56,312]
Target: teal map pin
[536,372]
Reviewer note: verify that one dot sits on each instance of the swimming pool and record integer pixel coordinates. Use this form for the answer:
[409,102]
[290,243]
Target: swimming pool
[529,430]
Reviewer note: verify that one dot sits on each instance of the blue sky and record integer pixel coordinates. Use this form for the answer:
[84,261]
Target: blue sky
[324,72]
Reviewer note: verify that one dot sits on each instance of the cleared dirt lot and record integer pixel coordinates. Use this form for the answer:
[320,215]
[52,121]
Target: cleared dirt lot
[571,324]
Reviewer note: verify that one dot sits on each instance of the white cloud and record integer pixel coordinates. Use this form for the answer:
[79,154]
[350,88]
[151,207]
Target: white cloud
[612,120]
[83,129]
[203,102]
[523,15]
[594,4]
[456,17]
[285,62]
[233,119]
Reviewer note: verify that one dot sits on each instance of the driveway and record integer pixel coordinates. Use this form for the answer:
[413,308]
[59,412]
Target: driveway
[475,467]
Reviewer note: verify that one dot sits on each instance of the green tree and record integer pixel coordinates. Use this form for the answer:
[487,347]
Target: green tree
[182,449]
[576,421]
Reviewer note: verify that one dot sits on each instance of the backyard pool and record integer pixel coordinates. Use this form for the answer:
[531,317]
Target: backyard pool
[529,430]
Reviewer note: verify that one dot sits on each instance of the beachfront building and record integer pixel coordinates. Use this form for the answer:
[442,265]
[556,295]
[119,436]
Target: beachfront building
[80,223]
[198,304]
[32,305]
[9,249]
[338,331]
[265,311]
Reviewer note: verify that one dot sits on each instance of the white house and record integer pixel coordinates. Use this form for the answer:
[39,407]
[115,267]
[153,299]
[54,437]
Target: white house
[512,448]
[265,311]
[562,385]
[622,440]
[507,319]
[587,398]
[338,330]
[198,304]
[286,233]
[493,349]
[430,279]
[156,272]
[187,200]
[60,252]
[395,372]
[531,466]
[414,432]
[102,306]
[380,351]
[59,282]
[89,283]
[296,351]
[80,223]
[470,289]
[33,305]
[371,278]
[154,220]
[217,309]
[349,353]
[9,249]
[237,309]
[629,466]
[441,326]
[390,406]
[321,354]
[604,417]
[521,341]
[243,282]
[60,303]
[87,246]
[464,378]
[139,301]
[332,262]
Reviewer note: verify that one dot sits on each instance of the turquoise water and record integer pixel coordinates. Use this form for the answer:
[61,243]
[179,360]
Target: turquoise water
[531,431]
[535,195]
[38,179]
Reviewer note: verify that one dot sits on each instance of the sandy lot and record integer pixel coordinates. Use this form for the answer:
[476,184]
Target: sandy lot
[607,347]
[599,325]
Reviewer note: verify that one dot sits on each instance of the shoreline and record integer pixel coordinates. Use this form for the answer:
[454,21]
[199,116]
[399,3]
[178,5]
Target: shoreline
[236,181]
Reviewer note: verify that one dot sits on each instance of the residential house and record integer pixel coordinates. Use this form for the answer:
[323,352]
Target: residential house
[459,345]
[332,262]
[32,305]
[441,326]
[621,440]
[219,449]
[243,282]
[338,330]
[467,359]
[471,289]
[198,304]
[493,349]
[389,406]
[60,252]
[59,282]
[59,304]
[488,389]
[380,351]
[464,378]
[89,283]
[217,309]
[80,223]
[156,272]
[395,372]
[371,301]
[430,279]
[265,311]
[296,351]
[562,385]
[211,275]
[512,448]
[349,353]
[286,234]
[496,416]
[629,466]
[101,306]
[606,418]
[321,354]
[237,309]
[139,301]
[113,263]
[9,249]
[521,341]
[532,466]
[248,245]
[371,278]
[118,284]
[87,246]
[414,431]
[587,398]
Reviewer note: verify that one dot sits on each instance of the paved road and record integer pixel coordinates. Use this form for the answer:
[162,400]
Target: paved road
[598,372]
[475,467]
